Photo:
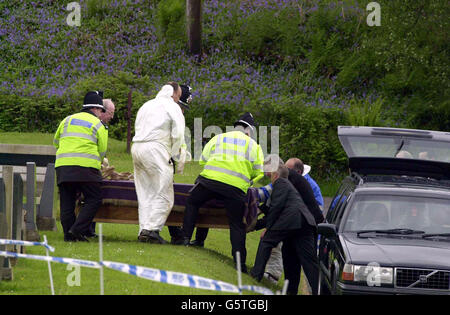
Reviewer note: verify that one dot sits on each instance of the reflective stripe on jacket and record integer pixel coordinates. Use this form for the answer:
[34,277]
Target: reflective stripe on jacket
[81,140]
[233,158]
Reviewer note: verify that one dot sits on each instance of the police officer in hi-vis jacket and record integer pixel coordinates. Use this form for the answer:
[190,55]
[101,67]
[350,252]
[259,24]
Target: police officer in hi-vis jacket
[81,141]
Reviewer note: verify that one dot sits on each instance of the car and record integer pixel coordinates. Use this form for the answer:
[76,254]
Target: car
[387,230]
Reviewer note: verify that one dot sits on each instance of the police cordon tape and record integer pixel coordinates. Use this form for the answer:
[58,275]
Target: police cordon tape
[176,278]
[68,261]
[25,243]
[163,276]
[182,279]
[257,289]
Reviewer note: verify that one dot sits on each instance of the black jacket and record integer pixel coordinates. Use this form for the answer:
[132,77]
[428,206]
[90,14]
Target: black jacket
[304,189]
[287,210]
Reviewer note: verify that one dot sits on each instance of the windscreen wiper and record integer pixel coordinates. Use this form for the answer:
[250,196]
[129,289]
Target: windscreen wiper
[436,235]
[392,231]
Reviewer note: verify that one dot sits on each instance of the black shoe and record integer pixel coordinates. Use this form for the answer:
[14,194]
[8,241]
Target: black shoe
[152,237]
[179,241]
[78,237]
[90,235]
[197,243]
[69,238]
[254,275]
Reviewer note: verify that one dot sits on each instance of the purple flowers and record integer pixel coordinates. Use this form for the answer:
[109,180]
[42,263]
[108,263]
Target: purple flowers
[41,55]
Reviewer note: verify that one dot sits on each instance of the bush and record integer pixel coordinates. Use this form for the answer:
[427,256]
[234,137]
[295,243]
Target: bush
[364,113]
[306,132]
[171,16]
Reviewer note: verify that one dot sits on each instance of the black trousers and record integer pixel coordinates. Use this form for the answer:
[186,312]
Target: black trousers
[175,232]
[298,251]
[235,208]
[92,201]
[201,234]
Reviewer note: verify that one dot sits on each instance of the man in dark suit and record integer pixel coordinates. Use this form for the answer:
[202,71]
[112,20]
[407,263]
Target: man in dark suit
[287,220]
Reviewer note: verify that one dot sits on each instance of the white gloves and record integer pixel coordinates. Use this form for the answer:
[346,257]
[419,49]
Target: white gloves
[181,159]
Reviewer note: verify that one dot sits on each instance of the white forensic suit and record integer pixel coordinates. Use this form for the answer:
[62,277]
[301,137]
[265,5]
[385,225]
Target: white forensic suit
[159,136]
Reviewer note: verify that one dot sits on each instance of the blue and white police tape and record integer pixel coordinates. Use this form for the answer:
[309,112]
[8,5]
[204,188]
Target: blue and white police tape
[257,289]
[175,278]
[68,261]
[24,243]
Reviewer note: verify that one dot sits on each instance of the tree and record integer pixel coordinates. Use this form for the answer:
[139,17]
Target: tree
[194,26]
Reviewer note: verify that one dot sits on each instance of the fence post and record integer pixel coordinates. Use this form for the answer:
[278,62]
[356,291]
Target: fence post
[30,217]
[18,217]
[45,218]
[8,180]
[5,265]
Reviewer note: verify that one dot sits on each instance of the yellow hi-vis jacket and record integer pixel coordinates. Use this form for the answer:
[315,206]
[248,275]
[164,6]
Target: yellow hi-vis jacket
[81,140]
[233,158]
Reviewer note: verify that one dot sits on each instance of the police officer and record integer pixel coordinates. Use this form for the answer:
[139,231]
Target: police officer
[81,142]
[105,118]
[175,232]
[232,162]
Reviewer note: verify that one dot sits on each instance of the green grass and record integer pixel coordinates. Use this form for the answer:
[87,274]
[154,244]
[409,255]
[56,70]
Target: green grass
[120,245]
[329,188]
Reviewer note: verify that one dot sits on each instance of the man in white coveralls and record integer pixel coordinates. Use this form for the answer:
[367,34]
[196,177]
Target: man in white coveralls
[159,138]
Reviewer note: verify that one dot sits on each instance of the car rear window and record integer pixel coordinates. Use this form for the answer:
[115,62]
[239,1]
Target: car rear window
[395,143]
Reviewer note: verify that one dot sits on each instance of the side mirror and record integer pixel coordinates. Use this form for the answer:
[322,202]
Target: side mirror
[327,230]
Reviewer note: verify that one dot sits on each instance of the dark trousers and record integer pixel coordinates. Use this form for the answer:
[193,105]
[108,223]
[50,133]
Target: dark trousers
[201,234]
[298,251]
[92,201]
[235,211]
[175,232]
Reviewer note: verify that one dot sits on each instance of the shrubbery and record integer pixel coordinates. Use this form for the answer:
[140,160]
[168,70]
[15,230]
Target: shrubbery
[306,66]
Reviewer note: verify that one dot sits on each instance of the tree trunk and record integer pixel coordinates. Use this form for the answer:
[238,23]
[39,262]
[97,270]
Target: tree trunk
[194,26]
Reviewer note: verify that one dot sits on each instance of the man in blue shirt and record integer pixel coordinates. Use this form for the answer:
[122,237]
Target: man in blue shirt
[298,166]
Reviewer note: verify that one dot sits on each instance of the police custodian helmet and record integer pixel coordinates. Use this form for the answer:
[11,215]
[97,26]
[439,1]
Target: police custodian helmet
[94,99]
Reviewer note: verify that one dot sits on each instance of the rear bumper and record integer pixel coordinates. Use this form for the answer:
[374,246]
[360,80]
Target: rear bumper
[348,289]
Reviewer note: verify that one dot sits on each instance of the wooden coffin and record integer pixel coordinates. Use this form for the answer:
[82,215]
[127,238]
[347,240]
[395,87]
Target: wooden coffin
[120,205]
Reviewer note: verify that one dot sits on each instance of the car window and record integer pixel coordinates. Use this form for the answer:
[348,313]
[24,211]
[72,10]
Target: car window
[340,212]
[368,212]
[335,201]
[341,200]
[395,143]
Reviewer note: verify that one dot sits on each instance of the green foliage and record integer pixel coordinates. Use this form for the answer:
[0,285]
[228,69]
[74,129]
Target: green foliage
[271,35]
[306,132]
[306,66]
[97,8]
[364,113]
[171,15]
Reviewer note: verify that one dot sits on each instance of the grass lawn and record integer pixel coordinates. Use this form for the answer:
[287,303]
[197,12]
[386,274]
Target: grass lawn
[120,245]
